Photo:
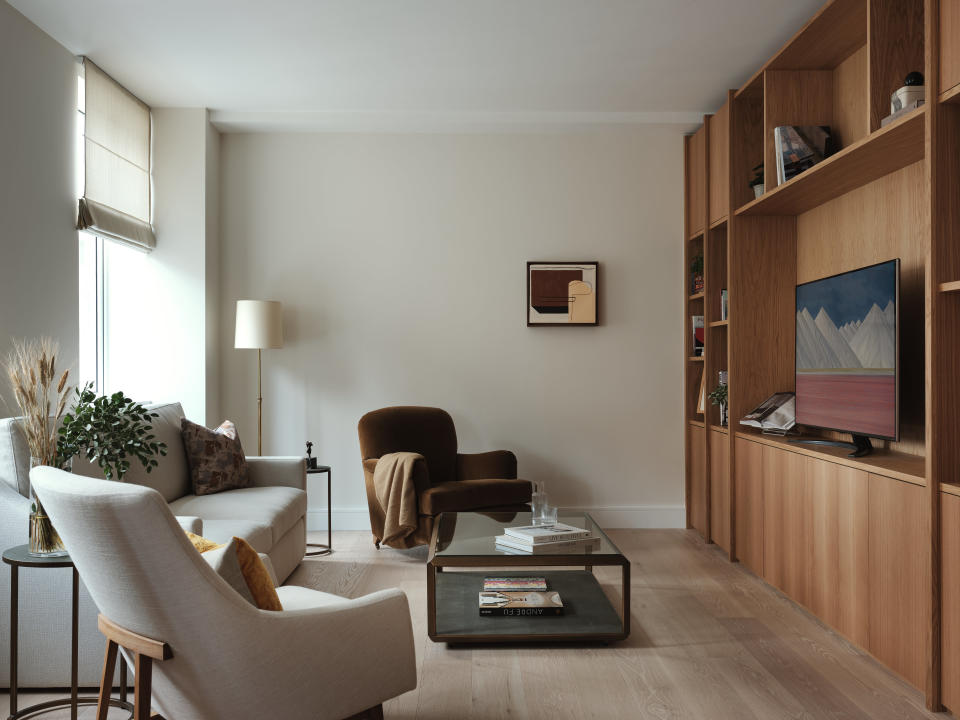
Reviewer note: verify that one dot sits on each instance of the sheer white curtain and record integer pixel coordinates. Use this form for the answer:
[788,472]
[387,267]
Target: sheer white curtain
[116,200]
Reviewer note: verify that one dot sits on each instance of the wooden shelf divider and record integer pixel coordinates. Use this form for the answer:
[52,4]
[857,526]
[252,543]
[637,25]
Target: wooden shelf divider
[880,153]
[720,323]
[950,287]
[696,296]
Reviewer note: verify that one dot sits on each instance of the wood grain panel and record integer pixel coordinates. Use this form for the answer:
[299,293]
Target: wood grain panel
[949,44]
[698,478]
[787,523]
[793,97]
[697,181]
[719,195]
[878,222]
[950,600]
[720,488]
[749,501]
[746,145]
[837,30]
[839,572]
[896,49]
[761,335]
[851,99]
[899,576]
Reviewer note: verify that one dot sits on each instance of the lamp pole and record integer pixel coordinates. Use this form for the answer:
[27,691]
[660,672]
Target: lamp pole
[259,405]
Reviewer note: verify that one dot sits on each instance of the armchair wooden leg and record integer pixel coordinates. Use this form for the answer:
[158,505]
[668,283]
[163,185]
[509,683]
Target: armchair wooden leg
[106,681]
[143,683]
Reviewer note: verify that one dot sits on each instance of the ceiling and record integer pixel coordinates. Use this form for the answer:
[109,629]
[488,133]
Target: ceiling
[407,64]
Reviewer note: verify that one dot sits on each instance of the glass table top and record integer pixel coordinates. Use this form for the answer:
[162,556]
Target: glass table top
[473,534]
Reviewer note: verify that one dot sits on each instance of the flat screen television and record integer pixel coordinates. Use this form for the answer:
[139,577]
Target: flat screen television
[847,355]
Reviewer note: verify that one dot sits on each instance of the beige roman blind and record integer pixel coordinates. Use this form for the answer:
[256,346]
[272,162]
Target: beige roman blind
[116,197]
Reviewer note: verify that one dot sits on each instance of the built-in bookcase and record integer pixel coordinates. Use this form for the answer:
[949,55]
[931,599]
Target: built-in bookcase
[888,192]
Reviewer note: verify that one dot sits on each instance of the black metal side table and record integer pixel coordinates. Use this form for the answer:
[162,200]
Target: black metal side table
[328,548]
[18,557]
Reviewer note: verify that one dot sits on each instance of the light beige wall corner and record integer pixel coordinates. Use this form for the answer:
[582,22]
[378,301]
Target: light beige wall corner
[38,242]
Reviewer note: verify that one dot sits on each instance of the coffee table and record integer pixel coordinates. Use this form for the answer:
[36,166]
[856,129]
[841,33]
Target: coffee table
[463,543]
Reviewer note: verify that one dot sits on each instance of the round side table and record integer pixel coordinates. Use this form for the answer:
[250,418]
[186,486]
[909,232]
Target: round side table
[328,548]
[18,557]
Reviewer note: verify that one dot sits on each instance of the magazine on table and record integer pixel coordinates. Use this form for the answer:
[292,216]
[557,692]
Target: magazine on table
[777,413]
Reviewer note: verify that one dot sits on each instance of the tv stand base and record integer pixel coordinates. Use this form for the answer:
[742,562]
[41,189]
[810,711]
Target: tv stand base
[860,446]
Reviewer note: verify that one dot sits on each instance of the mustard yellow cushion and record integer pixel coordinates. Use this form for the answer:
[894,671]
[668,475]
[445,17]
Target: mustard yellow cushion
[240,565]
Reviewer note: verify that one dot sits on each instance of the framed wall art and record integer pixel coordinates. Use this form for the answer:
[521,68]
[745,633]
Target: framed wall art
[562,293]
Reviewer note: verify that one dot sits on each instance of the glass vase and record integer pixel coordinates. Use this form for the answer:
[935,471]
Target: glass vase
[44,539]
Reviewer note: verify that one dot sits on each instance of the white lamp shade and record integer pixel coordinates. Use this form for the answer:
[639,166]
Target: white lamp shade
[259,324]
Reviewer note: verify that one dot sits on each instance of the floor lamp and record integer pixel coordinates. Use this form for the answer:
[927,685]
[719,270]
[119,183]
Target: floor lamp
[259,327]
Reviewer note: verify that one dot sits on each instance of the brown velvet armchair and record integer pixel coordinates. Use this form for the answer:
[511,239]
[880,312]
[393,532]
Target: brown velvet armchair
[447,481]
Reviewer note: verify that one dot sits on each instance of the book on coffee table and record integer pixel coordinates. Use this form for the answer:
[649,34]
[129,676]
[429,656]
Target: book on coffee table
[554,532]
[508,543]
[515,584]
[520,604]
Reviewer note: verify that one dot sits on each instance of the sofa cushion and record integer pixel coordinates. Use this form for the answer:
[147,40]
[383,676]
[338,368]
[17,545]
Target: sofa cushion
[294,597]
[277,507]
[215,457]
[466,495]
[258,534]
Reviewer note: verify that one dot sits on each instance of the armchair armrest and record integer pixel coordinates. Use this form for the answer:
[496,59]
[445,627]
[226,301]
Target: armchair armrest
[497,464]
[277,471]
[14,511]
[421,473]
[190,523]
[369,651]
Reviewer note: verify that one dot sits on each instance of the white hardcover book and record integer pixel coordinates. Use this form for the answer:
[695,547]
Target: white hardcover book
[554,532]
[512,544]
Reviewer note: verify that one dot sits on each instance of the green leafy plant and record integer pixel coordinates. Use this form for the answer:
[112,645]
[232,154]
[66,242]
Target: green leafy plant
[757,176]
[109,429]
[719,395]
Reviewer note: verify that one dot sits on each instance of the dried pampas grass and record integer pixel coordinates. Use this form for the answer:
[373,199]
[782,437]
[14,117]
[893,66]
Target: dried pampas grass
[41,396]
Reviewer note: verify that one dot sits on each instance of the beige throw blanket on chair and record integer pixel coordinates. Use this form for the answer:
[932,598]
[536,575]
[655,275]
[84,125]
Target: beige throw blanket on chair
[393,482]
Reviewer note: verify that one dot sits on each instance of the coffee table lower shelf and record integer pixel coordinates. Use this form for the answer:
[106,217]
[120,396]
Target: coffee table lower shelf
[589,616]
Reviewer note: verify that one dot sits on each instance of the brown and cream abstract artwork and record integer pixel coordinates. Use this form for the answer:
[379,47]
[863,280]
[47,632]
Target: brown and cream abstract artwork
[562,293]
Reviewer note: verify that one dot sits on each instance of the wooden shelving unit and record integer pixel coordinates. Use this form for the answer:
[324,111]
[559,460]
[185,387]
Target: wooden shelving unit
[889,192]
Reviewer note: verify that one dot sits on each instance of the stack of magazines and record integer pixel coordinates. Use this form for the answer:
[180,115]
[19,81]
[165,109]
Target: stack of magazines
[519,597]
[544,539]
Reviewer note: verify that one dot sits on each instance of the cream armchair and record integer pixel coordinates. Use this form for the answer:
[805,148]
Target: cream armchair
[322,657]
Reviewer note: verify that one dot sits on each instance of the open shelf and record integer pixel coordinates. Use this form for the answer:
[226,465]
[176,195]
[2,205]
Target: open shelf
[900,466]
[697,296]
[719,222]
[720,428]
[951,96]
[697,423]
[696,236]
[696,358]
[880,153]
[950,488]
[720,323]
[950,287]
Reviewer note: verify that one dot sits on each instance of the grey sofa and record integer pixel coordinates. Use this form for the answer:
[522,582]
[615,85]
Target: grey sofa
[270,515]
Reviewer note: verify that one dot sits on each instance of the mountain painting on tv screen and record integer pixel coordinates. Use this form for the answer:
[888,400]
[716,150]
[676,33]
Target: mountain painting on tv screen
[847,351]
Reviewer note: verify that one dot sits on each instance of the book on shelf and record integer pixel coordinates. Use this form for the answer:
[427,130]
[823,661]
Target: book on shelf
[724,308]
[520,604]
[554,532]
[515,584]
[702,396]
[514,545]
[697,321]
[799,148]
[775,414]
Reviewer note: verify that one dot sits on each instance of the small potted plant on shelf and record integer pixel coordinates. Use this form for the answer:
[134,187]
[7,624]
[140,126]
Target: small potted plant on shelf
[696,275]
[109,429]
[719,397]
[757,183]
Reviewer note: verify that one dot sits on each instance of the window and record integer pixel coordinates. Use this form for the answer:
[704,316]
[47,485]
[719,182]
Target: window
[108,269]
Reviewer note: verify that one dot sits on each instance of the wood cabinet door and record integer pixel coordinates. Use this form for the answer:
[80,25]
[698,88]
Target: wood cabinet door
[899,576]
[839,572]
[719,163]
[698,478]
[786,523]
[949,44]
[950,599]
[697,180]
[720,489]
[749,499]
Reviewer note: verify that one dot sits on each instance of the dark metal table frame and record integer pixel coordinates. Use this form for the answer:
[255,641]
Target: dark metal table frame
[437,563]
[17,557]
[328,548]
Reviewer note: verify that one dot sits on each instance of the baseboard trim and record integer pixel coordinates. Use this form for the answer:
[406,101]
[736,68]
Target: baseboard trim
[619,516]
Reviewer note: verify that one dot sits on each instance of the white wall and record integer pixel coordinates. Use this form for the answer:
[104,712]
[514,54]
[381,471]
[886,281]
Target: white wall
[38,243]
[400,260]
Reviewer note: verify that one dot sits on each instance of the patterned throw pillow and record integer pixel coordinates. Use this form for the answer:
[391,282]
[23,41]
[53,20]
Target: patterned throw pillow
[215,457]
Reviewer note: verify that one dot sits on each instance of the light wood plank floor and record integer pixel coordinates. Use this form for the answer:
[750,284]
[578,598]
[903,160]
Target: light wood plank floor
[709,642]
